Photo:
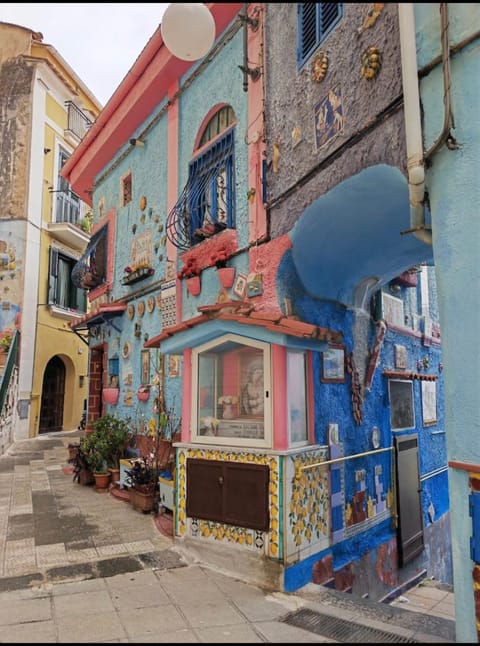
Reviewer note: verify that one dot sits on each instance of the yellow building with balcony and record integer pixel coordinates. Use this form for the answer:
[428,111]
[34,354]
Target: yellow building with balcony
[44,229]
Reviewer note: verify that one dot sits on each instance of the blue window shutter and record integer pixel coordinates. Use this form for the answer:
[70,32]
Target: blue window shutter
[308,34]
[330,13]
[315,21]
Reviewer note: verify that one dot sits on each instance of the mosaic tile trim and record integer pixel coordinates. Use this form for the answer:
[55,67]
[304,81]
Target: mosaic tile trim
[169,304]
[265,542]
[308,503]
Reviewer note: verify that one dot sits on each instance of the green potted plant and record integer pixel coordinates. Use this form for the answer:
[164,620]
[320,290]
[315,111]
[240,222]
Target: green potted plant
[6,338]
[96,450]
[117,433]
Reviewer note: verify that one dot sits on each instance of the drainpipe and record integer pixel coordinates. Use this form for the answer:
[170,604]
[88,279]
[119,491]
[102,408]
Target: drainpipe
[413,123]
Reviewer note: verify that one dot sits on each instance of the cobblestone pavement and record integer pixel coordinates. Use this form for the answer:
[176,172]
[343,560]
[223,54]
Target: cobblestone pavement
[79,566]
[47,520]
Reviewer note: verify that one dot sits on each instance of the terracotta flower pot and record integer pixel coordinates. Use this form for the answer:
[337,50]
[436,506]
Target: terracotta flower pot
[193,285]
[110,395]
[141,501]
[226,276]
[102,480]
[114,475]
[143,395]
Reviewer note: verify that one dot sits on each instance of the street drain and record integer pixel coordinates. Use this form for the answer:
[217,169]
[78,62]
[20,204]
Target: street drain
[340,629]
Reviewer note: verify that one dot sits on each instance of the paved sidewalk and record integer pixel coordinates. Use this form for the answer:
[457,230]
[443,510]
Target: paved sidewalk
[77,566]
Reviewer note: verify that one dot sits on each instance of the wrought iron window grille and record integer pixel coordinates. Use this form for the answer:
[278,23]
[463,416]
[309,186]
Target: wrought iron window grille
[206,204]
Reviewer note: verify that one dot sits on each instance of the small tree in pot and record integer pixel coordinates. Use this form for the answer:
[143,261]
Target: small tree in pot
[117,433]
[95,448]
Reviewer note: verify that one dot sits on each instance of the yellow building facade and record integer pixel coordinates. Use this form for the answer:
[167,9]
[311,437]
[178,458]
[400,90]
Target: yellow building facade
[44,229]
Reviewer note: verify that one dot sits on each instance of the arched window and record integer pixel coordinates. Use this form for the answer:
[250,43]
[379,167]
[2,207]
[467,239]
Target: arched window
[207,203]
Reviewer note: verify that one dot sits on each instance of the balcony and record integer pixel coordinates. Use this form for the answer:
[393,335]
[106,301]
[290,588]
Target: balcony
[66,227]
[78,123]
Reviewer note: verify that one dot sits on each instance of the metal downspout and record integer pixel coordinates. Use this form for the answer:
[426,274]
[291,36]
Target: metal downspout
[413,123]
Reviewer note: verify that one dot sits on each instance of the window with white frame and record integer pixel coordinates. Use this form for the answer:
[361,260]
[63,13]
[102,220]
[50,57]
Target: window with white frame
[232,393]
[62,292]
[315,21]
[67,203]
[297,397]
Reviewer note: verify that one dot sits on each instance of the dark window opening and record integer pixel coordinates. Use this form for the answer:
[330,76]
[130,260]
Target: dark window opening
[127,189]
[220,121]
[62,291]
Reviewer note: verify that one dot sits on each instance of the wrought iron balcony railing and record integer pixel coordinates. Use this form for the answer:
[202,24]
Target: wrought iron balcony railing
[78,122]
[67,208]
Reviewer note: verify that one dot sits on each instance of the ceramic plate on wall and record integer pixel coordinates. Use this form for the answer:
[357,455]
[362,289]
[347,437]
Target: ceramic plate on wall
[159,301]
[141,308]
[131,311]
[150,304]
[126,350]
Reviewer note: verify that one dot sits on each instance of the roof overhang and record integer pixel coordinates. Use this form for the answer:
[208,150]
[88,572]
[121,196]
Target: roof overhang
[142,90]
[233,317]
[103,314]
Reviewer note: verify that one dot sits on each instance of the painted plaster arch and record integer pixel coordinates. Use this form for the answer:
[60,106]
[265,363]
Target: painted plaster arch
[350,239]
[213,111]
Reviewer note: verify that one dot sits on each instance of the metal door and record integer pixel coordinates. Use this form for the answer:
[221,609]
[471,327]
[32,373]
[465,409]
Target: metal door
[409,505]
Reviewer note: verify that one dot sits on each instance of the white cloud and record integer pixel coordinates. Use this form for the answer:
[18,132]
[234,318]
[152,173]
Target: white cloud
[100,41]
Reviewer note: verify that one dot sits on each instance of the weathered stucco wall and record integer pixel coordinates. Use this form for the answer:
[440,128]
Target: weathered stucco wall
[15,117]
[373,128]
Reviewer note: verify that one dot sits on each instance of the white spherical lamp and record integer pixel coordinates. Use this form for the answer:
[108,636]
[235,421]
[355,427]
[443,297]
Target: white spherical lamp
[188,30]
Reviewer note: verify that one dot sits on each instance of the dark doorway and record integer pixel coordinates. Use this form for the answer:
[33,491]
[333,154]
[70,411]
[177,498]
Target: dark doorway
[410,521]
[53,392]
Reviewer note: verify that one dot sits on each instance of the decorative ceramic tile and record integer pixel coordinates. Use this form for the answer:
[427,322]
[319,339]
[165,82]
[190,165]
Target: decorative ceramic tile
[307,502]
[328,114]
[267,542]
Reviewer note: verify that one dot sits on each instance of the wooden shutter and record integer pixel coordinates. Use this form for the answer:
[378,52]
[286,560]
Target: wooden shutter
[246,495]
[205,489]
[228,492]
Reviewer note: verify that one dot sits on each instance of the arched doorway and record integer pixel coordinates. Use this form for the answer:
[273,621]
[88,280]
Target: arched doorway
[53,392]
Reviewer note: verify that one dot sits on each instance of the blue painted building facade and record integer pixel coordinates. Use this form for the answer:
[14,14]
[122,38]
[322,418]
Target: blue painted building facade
[343,319]
[450,98]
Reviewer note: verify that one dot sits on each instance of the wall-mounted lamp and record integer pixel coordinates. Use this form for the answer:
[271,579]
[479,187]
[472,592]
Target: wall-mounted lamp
[188,30]
[138,143]
[248,21]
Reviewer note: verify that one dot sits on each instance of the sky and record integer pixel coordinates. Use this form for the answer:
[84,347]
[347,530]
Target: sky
[100,41]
